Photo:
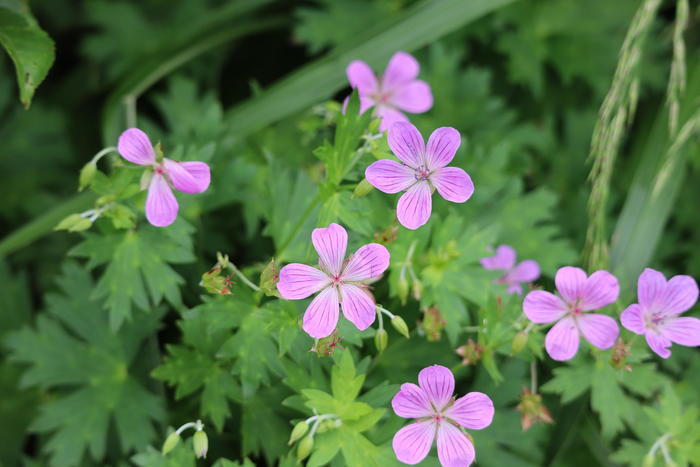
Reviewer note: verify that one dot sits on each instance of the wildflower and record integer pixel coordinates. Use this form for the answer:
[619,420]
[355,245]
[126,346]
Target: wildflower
[397,90]
[514,274]
[579,294]
[422,170]
[439,416]
[339,283]
[188,177]
[656,314]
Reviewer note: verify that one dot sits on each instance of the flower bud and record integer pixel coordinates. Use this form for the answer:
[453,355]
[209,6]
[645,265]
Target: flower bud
[362,188]
[87,174]
[305,447]
[470,352]
[74,223]
[299,430]
[519,342]
[170,442]
[433,323]
[417,289]
[532,410]
[381,340]
[648,461]
[200,444]
[326,346]
[403,290]
[400,325]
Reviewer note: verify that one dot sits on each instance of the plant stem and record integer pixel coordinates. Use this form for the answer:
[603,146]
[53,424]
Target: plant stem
[243,278]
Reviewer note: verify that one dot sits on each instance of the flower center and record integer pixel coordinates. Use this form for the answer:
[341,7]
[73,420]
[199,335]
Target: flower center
[336,280]
[422,173]
[159,170]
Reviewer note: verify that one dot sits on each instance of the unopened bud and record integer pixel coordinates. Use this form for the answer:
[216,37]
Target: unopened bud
[648,461]
[417,289]
[433,323]
[519,342]
[269,278]
[200,444]
[87,174]
[170,442]
[362,188]
[470,352]
[74,223]
[400,325]
[299,430]
[305,447]
[403,290]
[381,340]
[326,346]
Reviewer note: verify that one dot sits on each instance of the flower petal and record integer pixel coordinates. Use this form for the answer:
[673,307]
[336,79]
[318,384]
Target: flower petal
[389,116]
[361,76]
[414,97]
[442,147]
[570,282]
[659,344]
[161,205]
[414,207]
[413,442]
[515,288]
[474,411]
[321,316]
[411,402]
[438,383]
[135,146]
[601,289]
[406,143]
[562,340]
[542,307]
[525,271]
[681,294]
[401,70]
[683,331]
[633,320]
[453,446]
[600,330]
[331,243]
[453,184]
[651,289]
[503,259]
[368,262]
[298,281]
[188,177]
[358,306]
[390,176]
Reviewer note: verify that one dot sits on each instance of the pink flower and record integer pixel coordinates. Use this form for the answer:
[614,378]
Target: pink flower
[439,416]
[421,170]
[397,90]
[656,315]
[525,271]
[340,282]
[188,177]
[580,294]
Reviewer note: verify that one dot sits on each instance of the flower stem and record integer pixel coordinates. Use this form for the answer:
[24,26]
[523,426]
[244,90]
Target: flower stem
[533,377]
[243,278]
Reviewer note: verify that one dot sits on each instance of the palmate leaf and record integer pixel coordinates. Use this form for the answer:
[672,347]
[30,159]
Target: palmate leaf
[138,270]
[29,47]
[73,354]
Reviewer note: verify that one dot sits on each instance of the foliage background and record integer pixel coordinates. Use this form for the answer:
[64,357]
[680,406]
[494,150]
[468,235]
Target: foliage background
[107,338]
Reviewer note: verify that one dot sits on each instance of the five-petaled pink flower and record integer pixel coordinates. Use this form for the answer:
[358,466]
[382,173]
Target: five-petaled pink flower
[580,294]
[422,169]
[188,177]
[439,416]
[514,274]
[341,283]
[397,90]
[656,315]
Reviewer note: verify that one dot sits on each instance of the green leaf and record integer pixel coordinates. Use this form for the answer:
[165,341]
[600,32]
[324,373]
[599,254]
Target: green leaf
[569,381]
[29,47]
[90,375]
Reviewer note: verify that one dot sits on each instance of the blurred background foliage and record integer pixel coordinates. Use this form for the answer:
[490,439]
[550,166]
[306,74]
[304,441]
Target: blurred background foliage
[245,86]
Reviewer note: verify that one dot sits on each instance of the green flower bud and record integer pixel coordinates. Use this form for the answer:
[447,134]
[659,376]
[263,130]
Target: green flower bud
[403,290]
[305,447]
[381,340]
[400,325]
[362,188]
[87,173]
[74,223]
[299,430]
[200,444]
[417,289]
[519,342]
[170,442]
[648,461]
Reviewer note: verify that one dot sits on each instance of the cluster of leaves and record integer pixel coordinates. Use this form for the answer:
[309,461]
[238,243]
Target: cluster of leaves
[125,345]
